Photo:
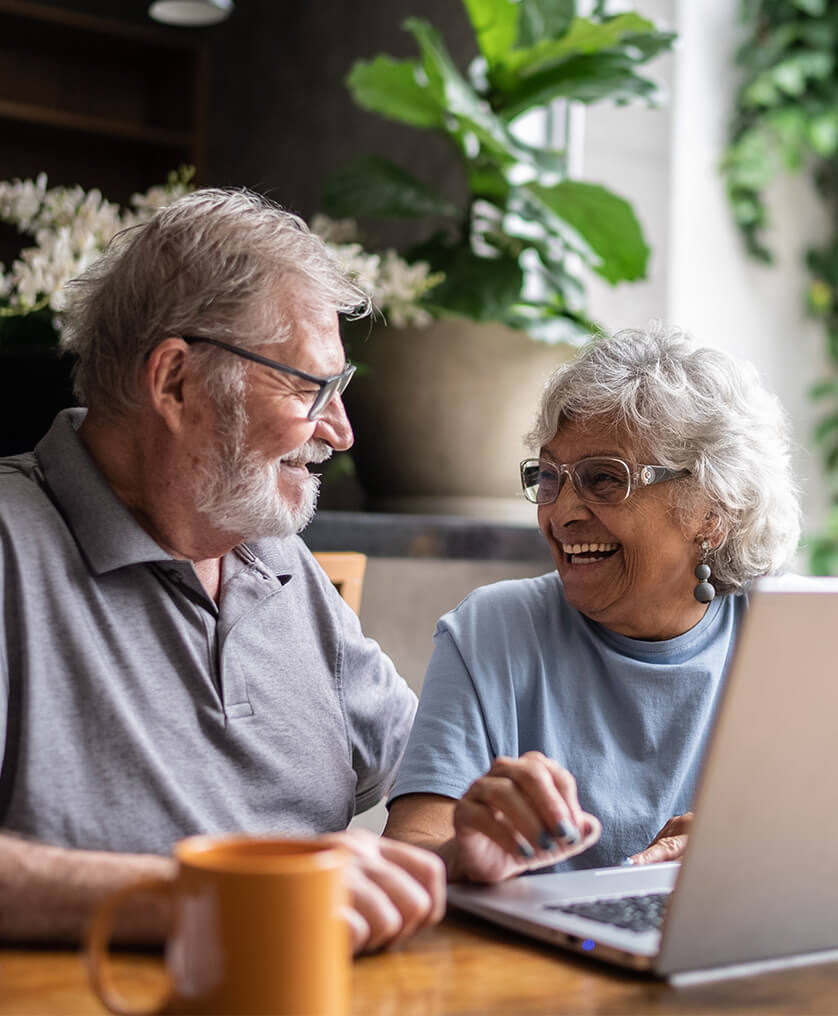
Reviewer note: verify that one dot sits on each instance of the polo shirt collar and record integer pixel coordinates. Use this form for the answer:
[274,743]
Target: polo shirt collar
[105,531]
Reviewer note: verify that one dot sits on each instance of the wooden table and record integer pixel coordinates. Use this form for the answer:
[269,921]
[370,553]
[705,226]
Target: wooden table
[462,967]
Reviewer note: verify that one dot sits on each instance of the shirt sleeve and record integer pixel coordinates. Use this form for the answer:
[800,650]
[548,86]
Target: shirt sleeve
[379,709]
[4,688]
[4,693]
[449,746]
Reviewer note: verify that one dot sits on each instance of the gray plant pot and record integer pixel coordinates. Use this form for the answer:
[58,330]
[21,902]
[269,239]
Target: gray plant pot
[440,415]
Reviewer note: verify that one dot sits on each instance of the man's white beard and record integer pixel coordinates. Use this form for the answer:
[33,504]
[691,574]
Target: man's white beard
[238,492]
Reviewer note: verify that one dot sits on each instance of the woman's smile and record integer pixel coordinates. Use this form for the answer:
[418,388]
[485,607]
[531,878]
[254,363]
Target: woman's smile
[588,553]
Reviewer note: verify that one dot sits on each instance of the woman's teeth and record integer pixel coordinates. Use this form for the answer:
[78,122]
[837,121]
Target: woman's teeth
[593,551]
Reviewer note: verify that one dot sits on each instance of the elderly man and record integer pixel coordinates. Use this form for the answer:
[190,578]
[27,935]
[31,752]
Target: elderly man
[172,659]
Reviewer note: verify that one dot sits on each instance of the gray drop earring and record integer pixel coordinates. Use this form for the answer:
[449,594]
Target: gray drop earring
[705,590]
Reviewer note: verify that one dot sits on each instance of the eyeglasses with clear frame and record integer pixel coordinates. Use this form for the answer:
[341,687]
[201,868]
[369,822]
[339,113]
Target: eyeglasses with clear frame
[600,479]
[329,386]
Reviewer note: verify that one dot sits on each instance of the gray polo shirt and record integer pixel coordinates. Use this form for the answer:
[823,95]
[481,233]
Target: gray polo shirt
[146,712]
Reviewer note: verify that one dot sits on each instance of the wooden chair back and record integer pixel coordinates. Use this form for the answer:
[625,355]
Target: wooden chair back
[346,570]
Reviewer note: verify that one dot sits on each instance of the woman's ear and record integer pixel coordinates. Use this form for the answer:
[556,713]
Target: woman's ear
[713,529]
[165,374]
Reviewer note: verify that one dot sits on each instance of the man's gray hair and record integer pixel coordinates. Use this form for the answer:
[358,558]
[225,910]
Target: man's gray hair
[208,264]
[697,409]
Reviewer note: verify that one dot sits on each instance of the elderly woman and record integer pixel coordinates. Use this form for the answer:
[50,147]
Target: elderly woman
[578,703]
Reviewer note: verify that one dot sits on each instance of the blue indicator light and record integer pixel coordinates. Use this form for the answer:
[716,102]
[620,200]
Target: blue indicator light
[588,944]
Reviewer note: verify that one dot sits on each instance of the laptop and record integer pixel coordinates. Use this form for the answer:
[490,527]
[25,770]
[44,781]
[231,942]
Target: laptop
[759,878]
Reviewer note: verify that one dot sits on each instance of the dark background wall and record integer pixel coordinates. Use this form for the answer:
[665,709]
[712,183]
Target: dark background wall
[280,120]
[280,117]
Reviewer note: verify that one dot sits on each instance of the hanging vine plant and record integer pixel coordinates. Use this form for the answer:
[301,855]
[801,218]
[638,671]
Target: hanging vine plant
[785,119]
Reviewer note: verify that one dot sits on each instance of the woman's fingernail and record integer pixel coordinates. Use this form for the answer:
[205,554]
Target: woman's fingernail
[626,862]
[546,841]
[526,850]
[568,832]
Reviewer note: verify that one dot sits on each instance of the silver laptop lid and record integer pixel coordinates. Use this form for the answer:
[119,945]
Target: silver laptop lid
[760,875]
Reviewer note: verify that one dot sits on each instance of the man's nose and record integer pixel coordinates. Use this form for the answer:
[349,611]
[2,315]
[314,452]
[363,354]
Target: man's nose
[333,426]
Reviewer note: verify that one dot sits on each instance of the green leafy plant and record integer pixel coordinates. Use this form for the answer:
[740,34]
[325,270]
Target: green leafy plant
[785,119]
[513,251]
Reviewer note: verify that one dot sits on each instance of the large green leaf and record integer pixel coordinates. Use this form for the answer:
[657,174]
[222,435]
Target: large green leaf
[526,204]
[547,324]
[647,44]
[476,287]
[605,222]
[486,181]
[583,36]
[814,7]
[587,78]
[544,19]
[393,88]
[470,113]
[377,188]
[495,24]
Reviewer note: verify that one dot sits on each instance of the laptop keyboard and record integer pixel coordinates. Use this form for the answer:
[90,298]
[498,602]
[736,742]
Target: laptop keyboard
[635,913]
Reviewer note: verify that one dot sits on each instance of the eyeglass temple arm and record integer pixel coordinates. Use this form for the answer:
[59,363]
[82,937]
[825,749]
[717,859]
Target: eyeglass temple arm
[192,339]
[660,473]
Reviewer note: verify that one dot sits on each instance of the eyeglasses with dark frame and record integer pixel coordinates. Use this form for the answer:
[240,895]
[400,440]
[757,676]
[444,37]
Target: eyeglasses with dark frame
[329,386]
[601,479]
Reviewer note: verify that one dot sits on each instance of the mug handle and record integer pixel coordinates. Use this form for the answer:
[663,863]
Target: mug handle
[97,951]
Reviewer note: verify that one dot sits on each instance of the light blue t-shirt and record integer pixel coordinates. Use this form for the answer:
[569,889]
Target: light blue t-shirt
[516,668]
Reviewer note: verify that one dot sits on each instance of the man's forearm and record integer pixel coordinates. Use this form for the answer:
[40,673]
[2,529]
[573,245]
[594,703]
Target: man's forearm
[47,894]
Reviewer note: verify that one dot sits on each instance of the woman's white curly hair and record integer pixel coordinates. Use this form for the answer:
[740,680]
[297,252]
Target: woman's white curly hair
[699,409]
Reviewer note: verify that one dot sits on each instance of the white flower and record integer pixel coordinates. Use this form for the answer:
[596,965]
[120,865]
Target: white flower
[335,231]
[71,228]
[402,286]
[20,200]
[395,286]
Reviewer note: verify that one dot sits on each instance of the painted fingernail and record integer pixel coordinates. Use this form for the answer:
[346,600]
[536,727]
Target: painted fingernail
[568,832]
[526,850]
[546,841]
[627,862]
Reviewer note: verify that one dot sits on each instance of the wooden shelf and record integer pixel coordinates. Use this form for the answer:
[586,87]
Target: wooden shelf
[48,117]
[98,102]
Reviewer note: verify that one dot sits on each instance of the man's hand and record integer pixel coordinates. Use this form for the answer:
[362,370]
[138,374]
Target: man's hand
[395,889]
[670,842]
[523,814]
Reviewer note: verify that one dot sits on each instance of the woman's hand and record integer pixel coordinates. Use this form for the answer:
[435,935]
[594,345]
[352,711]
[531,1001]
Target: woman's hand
[670,842]
[523,814]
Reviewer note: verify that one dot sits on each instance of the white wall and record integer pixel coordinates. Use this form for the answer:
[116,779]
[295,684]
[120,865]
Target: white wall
[627,148]
[715,290]
[667,163]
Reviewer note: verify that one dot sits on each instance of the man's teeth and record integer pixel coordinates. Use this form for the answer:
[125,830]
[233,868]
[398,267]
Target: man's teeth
[588,548]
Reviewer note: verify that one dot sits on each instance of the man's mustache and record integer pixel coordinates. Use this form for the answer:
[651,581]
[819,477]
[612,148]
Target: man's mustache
[309,453]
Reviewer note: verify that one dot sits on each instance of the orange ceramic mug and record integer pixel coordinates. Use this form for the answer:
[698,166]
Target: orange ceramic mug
[257,928]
